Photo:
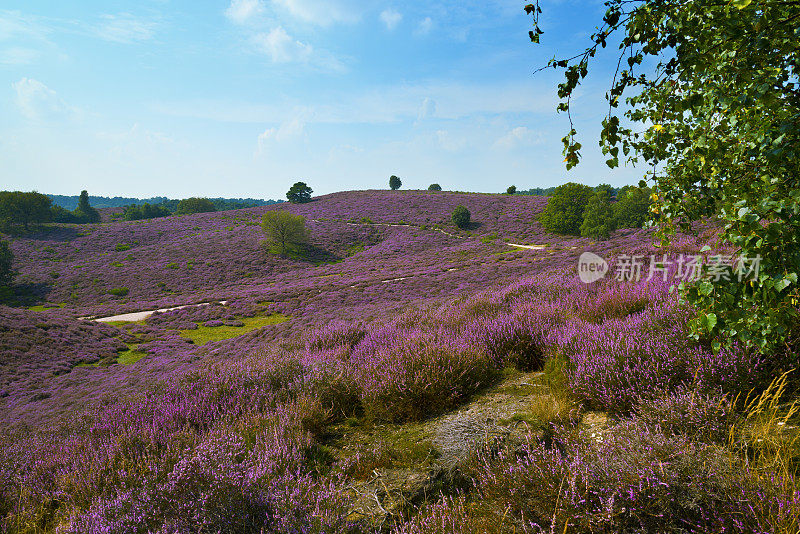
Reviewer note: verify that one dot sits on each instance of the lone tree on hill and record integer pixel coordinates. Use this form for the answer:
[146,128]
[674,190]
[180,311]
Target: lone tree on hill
[564,211]
[6,260]
[195,205]
[17,207]
[511,189]
[434,187]
[394,182]
[461,217]
[285,231]
[712,109]
[85,212]
[299,193]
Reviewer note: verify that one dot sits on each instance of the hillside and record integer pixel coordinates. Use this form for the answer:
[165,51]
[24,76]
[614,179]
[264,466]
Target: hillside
[370,370]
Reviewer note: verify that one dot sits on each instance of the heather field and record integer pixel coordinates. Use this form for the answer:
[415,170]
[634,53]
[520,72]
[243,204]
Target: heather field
[400,375]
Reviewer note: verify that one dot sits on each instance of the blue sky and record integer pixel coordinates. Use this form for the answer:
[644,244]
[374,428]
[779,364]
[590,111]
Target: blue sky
[242,98]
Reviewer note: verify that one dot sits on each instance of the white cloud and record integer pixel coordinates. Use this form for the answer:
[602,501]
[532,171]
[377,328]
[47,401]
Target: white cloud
[391,18]
[427,109]
[322,12]
[288,131]
[519,136]
[38,102]
[281,47]
[425,26]
[243,11]
[125,28]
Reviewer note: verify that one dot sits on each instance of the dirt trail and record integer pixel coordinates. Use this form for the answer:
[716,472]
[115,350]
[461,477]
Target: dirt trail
[142,315]
[497,415]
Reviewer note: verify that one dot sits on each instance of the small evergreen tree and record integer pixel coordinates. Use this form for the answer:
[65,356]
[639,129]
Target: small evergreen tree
[394,182]
[511,190]
[461,217]
[299,193]
[564,211]
[85,212]
[598,218]
[285,231]
[434,187]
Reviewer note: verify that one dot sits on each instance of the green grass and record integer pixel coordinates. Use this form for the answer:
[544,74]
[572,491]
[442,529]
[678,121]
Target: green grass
[204,334]
[126,357]
[45,307]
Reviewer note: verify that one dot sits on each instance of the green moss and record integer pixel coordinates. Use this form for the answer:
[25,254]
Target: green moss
[204,334]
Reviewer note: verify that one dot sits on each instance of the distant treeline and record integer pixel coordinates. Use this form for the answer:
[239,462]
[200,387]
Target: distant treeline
[222,204]
[548,191]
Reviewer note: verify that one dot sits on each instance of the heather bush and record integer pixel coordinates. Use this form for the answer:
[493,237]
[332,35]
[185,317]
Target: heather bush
[632,479]
[335,334]
[706,418]
[413,375]
[450,515]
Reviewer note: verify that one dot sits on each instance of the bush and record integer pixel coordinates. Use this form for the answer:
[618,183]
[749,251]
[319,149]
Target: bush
[434,187]
[6,261]
[395,182]
[195,205]
[122,247]
[564,211]
[461,217]
[299,193]
[511,190]
[598,218]
[119,291]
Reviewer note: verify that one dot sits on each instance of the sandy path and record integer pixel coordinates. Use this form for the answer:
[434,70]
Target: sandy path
[530,247]
[142,315]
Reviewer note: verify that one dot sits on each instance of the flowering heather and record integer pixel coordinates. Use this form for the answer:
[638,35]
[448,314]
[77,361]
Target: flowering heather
[394,316]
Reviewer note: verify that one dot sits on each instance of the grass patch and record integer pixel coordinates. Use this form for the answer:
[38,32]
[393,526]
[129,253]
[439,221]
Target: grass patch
[204,334]
[45,307]
[132,355]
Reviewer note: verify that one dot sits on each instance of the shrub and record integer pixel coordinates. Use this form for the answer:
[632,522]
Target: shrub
[299,193]
[564,211]
[434,187]
[119,291]
[394,182]
[195,205]
[122,247]
[145,211]
[511,190]
[598,218]
[461,217]
[284,230]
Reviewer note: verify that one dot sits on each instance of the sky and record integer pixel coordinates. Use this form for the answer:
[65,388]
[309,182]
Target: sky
[242,98]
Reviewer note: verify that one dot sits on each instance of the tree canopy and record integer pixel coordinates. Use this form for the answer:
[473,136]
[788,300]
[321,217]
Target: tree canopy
[461,217]
[598,218]
[563,213]
[299,193]
[434,187]
[712,111]
[511,189]
[85,212]
[195,205]
[18,207]
[395,183]
[285,231]
[6,260]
